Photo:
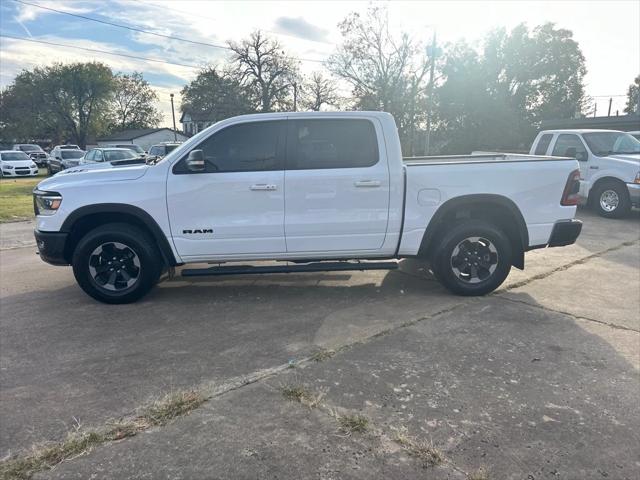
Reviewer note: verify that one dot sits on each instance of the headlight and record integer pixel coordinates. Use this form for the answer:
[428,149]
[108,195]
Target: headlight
[46,203]
[33,165]
[637,179]
[8,167]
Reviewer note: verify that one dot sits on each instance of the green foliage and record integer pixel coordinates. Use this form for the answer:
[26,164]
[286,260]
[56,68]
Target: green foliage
[133,103]
[218,95]
[632,97]
[497,98]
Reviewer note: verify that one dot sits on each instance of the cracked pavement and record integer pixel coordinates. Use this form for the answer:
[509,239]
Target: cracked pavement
[538,380]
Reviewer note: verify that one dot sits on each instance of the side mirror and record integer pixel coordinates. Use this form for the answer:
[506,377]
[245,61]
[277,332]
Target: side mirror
[195,161]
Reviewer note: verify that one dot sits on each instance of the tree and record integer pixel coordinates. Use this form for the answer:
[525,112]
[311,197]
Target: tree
[218,95]
[385,72]
[633,103]
[318,91]
[264,68]
[133,103]
[498,98]
[77,95]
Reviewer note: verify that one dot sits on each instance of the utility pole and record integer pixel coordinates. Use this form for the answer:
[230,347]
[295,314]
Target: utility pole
[295,96]
[432,51]
[609,112]
[173,114]
[595,109]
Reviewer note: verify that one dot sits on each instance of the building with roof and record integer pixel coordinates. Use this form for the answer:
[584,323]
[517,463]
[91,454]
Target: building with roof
[144,137]
[195,122]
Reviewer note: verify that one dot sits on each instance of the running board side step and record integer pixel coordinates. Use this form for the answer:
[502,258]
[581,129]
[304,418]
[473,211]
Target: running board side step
[307,267]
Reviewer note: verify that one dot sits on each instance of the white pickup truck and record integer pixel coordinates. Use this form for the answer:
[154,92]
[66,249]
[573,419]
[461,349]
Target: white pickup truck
[609,166]
[317,191]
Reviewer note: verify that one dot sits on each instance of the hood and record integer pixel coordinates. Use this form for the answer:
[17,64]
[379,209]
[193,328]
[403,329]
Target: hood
[87,176]
[631,158]
[17,163]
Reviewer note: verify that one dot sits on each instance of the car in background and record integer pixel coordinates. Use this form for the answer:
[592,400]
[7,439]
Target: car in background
[62,158]
[15,163]
[136,148]
[104,157]
[635,135]
[156,152]
[609,166]
[35,152]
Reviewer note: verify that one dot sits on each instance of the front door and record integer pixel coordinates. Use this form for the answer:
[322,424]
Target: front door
[337,185]
[235,206]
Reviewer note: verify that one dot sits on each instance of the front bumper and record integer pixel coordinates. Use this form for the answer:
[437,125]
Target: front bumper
[20,172]
[634,193]
[565,232]
[51,246]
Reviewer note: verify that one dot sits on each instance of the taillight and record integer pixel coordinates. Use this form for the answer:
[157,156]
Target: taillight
[570,195]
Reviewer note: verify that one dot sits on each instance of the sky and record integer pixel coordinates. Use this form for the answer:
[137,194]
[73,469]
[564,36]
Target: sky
[608,33]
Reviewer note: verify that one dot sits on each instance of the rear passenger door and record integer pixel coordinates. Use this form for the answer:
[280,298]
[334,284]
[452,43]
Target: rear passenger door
[336,185]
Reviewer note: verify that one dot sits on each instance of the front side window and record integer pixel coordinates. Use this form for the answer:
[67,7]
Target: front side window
[569,145]
[97,156]
[611,143]
[89,156]
[543,144]
[246,147]
[340,143]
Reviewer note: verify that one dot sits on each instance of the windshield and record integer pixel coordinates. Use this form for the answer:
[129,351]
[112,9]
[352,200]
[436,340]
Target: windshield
[67,147]
[29,148]
[111,155]
[611,143]
[66,154]
[13,156]
[135,148]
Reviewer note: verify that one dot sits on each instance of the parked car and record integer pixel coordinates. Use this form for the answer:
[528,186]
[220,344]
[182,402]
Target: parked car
[328,191]
[35,152]
[609,166]
[61,158]
[135,148]
[158,151]
[17,164]
[105,155]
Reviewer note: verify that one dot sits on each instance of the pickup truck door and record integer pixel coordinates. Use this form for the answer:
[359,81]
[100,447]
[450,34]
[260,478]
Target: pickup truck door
[336,185]
[235,206]
[571,145]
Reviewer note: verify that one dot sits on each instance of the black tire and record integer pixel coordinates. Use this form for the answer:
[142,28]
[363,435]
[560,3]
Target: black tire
[140,258]
[605,196]
[491,268]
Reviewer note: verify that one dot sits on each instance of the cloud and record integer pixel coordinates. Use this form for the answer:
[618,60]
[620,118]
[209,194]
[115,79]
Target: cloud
[299,27]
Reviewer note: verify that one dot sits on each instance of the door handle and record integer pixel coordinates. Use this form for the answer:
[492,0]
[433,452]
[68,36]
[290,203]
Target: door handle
[367,183]
[264,186]
[594,167]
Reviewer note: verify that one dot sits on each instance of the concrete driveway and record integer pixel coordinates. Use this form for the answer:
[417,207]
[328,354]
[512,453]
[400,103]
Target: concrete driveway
[538,380]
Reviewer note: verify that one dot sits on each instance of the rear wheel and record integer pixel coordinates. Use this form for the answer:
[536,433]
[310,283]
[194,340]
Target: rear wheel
[117,263]
[611,200]
[472,258]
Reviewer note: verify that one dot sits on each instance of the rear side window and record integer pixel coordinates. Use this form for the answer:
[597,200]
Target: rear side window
[339,143]
[543,144]
[566,144]
[246,147]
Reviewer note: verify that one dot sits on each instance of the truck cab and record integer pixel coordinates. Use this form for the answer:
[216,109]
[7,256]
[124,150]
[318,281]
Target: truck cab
[609,166]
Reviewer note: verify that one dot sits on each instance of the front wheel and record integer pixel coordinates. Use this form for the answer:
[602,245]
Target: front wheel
[611,200]
[472,258]
[117,263]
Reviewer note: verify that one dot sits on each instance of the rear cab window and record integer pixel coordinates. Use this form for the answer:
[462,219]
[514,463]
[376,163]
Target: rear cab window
[331,143]
[543,144]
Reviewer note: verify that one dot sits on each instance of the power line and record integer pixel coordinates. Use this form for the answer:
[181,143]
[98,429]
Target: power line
[94,50]
[140,30]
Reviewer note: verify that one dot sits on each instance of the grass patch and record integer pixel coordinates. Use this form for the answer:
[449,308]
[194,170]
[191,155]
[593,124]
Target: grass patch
[425,452]
[353,423]
[77,443]
[16,202]
[297,393]
[322,355]
[480,474]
